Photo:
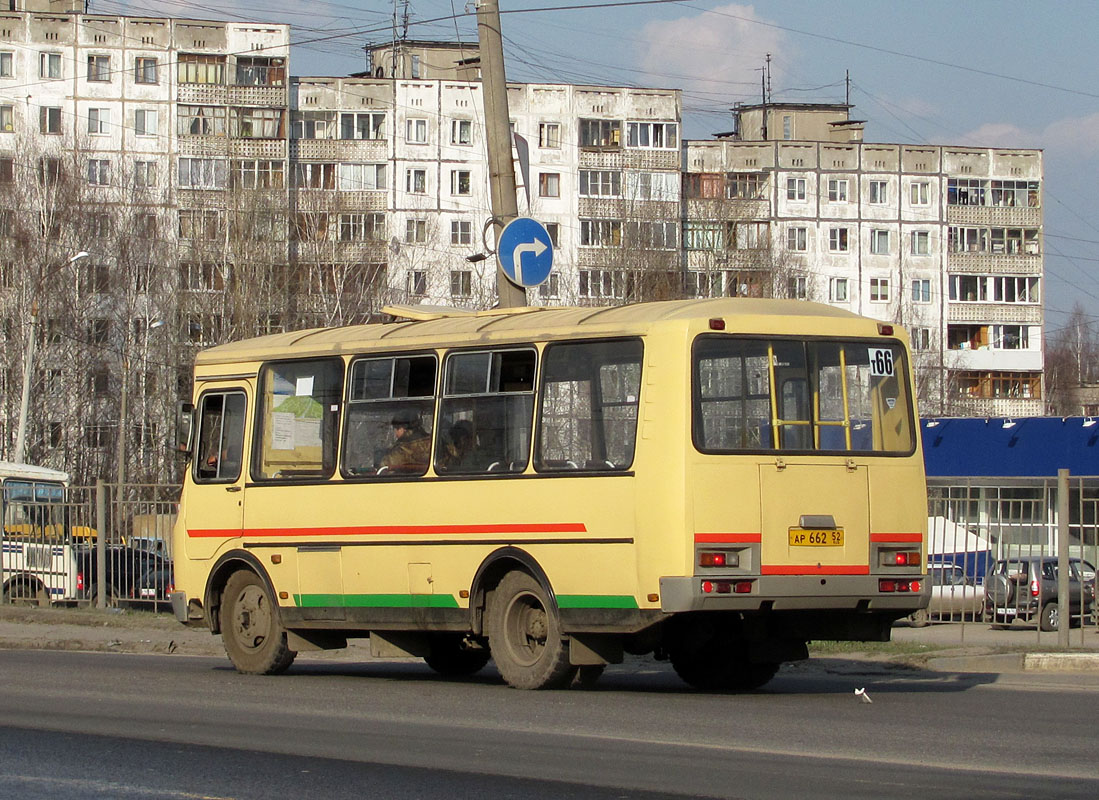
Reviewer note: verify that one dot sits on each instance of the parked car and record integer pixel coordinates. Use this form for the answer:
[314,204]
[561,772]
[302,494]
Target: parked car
[1025,588]
[952,595]
[125,567]
[156,584]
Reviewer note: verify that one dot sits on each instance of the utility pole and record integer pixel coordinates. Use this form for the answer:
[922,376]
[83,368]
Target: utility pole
[501,167]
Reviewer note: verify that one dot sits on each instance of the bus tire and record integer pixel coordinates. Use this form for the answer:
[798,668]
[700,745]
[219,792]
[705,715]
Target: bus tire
[254,639]
[451,658]
[524,635]
[717,676]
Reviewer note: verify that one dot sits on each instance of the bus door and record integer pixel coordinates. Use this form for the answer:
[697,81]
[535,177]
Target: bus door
[215,504]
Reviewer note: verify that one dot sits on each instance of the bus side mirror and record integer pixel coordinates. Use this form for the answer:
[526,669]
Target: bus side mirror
[185,426]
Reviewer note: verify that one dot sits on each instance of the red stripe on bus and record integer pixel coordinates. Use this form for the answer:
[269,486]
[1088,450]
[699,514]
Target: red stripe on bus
[822,569]
[896,537]
[728,537]
[395,530]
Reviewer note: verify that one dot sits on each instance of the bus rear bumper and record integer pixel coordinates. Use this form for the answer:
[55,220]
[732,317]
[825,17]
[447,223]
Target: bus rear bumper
[189,613]
[791,593]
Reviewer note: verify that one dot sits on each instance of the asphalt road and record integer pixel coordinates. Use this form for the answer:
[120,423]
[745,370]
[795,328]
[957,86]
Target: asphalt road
[77,725]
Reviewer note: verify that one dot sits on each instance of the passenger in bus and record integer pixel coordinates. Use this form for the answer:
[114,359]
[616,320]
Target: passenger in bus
[411,451]
[458,449]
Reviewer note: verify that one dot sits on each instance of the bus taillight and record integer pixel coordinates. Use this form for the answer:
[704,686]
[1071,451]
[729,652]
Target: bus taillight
[891,585]
[727,587]
[718,559]
[900,558]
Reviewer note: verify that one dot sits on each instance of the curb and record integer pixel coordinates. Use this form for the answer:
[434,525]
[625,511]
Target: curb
[1017,662]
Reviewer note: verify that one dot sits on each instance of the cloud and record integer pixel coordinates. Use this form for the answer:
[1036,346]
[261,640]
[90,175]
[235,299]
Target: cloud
[1071,137]
[716,53]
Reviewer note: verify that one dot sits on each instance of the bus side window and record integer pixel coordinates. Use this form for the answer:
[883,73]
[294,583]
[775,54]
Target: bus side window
[220,437]
[588,406]
[492,392]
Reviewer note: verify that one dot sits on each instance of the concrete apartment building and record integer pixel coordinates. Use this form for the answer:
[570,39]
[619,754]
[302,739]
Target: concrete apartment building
[219,198]
[945,240]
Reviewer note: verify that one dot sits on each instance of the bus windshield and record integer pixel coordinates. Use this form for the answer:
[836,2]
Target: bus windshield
[772,394]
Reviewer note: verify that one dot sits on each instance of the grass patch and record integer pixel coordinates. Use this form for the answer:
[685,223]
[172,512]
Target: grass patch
[872,648]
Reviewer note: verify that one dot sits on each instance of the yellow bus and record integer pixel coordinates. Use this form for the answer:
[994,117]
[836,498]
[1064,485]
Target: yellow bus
[716,482]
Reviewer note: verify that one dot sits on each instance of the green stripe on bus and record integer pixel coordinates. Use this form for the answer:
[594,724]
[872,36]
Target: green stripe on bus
[596,601]
[375,601]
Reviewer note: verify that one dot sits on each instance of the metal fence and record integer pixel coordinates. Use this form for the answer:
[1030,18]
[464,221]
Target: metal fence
[90,545]
[988,534]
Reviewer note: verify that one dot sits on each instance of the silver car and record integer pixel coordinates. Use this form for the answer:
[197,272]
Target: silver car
[953,596]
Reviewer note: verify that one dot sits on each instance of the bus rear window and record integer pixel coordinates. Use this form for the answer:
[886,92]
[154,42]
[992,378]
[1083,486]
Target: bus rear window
[820,395]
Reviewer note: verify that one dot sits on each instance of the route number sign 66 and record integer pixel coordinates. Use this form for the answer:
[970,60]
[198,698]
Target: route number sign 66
[881,362]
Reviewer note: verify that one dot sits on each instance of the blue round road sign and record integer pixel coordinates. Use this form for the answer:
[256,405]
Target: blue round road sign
[525,251]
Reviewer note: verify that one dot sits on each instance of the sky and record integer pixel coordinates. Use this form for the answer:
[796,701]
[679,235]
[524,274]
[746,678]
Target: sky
[995,73]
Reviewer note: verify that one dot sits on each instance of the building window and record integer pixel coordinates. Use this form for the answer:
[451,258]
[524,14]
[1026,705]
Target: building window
[837,240]
[879,192]
[203,173]
[921,290]
[549,135]
[417,282]
[256,123]
[461,283]
[145,70]
[99,68]
[144,175]
[652,135]
[609,283]
[99,172]
[99,121]
[7,171]
[554,231]
[361,177]
[600,133]
[416,131]
[461,131]
[879,241]
[361,227]
[797,239]
[49,65]
[257,174]
[415,181]
[797,288]
[965,192]
[1015,194]
[198,224]
[200,68]
[460,182]
[550,287]
[549,184]
[50,119]
[362,125]
[704,235]
[600,233]
[415,231]
[921,339]
[837,190]
[787,127]
[652,235]
[461,231]
[261,71]
[879,290]
[837,290]
[919,193]
[795,188]
[921,243]
[745,186]
[652,185]
[200,120]
[145,122]
[315,176]
[7,119]
[7,64]
[49,170]
[318,125]
[600,183]
[1009,289]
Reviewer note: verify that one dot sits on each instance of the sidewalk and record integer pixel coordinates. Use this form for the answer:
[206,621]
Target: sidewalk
[951,647]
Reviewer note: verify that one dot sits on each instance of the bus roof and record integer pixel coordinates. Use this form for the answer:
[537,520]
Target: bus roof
[439,325]
[29,472]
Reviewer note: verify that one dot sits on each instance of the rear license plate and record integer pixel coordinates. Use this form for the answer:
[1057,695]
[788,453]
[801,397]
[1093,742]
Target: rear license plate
[801,537]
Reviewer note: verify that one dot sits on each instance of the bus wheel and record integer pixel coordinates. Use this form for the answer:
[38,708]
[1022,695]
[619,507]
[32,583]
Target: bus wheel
[525,636]
[450,657]
[723,676]
[254,640]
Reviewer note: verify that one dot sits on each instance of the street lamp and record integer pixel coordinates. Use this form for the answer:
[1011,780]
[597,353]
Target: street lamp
[28,358]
